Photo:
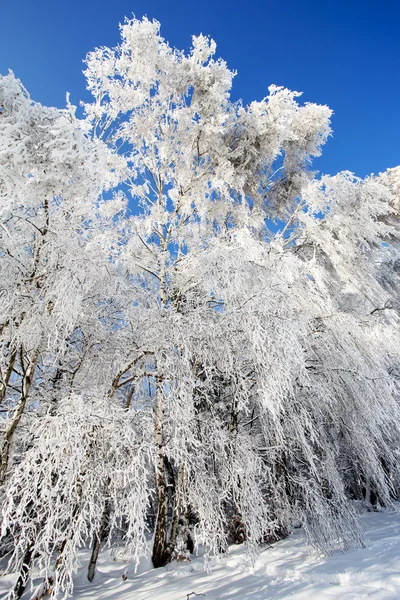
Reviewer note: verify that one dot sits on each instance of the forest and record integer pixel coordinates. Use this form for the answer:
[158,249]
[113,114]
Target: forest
[199,335]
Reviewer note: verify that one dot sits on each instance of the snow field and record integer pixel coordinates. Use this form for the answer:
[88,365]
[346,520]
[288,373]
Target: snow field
[285,570]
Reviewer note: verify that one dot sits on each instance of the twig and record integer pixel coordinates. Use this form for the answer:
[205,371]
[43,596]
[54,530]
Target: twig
[382,308]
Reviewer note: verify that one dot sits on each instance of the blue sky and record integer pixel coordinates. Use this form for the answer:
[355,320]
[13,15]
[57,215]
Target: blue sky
[344,54]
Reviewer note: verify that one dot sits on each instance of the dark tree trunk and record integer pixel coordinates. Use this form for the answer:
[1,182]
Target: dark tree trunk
[98,538]
[159,557]
[94,557]
[20,586]
[189,520]
[160,533]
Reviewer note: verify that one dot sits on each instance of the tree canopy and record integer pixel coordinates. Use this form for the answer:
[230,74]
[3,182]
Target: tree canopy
[198,336]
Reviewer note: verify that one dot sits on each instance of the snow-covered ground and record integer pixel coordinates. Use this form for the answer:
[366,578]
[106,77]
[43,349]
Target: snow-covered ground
[286,570]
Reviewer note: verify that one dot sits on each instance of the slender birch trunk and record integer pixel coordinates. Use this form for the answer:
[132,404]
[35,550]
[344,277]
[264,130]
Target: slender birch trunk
[5,380]
[18,412]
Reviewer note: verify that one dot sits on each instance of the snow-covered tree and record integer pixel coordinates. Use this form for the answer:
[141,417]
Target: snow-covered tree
[231,303]
[228,345]
[58,286]
[207,173]
[50,177]
[87,455]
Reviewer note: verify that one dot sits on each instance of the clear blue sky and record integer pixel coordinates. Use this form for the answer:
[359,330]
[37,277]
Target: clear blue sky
[344,54]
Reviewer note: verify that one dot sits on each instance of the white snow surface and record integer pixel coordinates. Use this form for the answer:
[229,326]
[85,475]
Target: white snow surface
[285,570]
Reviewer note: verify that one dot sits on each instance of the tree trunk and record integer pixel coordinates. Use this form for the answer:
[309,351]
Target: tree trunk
[177,509]
[20,586]
[159,555]
[7,374]
[160,534]
[19,409]
[94,557]
[98,538]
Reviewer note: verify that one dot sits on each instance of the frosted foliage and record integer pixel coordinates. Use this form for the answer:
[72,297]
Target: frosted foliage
[217,367]
[88,453]
[391,178]
[189,145]
[50,178]
[343,196]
